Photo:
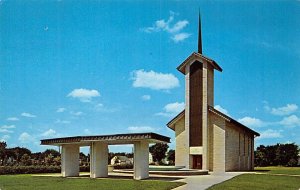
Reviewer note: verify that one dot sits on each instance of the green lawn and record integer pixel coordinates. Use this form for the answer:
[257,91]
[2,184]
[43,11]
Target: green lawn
[279,170]
[263,181]
[254,181]
[28,182]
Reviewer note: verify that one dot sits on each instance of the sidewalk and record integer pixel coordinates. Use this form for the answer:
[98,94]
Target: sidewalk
[206,181]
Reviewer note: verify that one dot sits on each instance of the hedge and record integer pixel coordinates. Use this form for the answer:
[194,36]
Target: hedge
[35,169]
[123,166]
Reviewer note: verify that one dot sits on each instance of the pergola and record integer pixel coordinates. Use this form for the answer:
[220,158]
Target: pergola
[99,152]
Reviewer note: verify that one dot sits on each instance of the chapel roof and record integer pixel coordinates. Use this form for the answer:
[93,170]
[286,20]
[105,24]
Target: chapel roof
[171,124]
[200,58]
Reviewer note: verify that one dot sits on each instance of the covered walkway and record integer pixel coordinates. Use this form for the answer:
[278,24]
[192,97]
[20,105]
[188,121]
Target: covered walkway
[99,152]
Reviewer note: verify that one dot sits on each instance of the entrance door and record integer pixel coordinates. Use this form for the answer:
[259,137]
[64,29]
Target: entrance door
[197,161]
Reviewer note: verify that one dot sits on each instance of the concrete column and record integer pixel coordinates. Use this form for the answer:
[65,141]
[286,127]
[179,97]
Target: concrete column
[141,160]
[186,156]
[219,148]
[70,160]
[99,160]
[205,131]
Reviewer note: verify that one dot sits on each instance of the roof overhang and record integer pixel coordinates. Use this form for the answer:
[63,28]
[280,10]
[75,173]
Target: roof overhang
[230,120]
[171,124]
[128,138]
[198,57]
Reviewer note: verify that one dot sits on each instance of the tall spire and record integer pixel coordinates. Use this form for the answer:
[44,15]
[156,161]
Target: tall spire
[199,35]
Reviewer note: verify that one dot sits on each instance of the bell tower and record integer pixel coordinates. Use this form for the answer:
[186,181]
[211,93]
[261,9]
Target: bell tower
[199,94]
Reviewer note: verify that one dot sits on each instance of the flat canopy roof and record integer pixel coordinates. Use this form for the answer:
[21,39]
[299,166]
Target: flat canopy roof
[128,138]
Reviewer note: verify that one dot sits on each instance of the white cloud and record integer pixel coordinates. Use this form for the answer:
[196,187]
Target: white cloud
[180,37]
[252,122]
[172,109]
[8,127]
[138,129]
[270,133]
[84,95]
[154,80]
[221,109]
[4,138]
[99,105]
[286,110]
[160,25]
[5,131]
[26,138]
[49,133]
[76,113]
[60,110]
[170,28]
[290,121]
[146,97]
[28,115]
[178,26]
[87,131]
[175,107]
[12,119]
[62,121]
[102,108]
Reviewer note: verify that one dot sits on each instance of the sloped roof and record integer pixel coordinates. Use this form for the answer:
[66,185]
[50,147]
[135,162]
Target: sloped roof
[199,57]
[122,158]
[229,119]
[171,124]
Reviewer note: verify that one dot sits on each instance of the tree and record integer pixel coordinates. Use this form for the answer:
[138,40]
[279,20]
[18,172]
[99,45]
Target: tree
[279,154]
[158,151]
[57,161]
[287,154]
[19,152]
[171,156]
[129,155]
[84,160]
[2,152]
[53,152]
[26,160]
[3,145]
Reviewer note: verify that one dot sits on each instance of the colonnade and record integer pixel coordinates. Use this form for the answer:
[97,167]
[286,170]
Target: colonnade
[99,159]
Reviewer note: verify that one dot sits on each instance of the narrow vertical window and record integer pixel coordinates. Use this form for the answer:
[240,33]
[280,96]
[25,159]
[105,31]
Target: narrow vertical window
[239,144]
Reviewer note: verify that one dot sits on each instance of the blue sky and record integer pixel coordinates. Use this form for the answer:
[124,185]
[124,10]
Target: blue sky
[97,67]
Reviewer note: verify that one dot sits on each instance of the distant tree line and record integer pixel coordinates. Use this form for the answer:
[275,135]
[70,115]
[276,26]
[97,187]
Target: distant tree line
[20,156]
[277,155]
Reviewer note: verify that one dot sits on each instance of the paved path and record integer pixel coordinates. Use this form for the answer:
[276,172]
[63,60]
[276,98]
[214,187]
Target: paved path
[205,181]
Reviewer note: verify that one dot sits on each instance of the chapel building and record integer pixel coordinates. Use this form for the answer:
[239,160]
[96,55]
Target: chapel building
[206,138]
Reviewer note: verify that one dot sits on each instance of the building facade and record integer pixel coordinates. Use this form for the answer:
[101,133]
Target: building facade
[206,138]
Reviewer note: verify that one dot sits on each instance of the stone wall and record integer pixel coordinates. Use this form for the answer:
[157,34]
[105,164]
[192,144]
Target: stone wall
[216,143]
[182,148]
[239,149]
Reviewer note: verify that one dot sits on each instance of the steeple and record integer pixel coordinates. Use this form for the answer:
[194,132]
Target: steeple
[199,35]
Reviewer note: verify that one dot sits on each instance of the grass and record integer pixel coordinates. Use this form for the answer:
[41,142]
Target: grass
[279,170]
[28,182]
[266,180]
[254,181]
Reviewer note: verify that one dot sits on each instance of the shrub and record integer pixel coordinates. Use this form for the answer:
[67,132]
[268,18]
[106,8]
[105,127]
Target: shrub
[34,169]
[292,163]
[123,166]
